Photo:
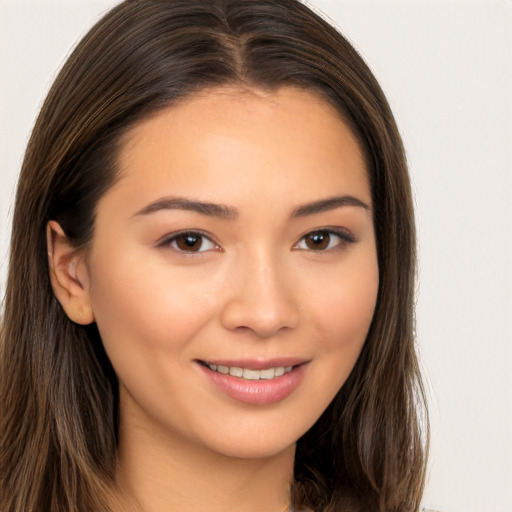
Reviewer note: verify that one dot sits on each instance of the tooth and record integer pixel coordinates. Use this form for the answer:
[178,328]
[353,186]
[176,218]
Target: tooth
[235,371]
[279,371]
[251,374]
[246,373]
[267,374]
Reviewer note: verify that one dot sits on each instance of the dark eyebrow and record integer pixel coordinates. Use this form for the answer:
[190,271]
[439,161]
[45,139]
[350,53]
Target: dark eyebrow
[330,203]
[231,213]
[180,203]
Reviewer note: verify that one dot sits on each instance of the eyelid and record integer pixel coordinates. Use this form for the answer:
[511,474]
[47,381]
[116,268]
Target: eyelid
[346,237]
[169,238]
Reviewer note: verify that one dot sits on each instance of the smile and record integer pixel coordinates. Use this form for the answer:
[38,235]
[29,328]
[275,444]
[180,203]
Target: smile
[250,374]
[256,382]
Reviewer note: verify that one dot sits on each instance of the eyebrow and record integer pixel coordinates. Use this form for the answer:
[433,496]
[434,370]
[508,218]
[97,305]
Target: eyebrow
[330,203]
[231,213]
[181,203]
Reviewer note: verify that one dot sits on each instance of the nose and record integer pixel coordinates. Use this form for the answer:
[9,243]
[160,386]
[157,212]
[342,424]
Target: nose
[262,300]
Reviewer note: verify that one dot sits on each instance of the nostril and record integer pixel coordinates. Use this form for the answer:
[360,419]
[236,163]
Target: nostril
[261,306]
[245,319]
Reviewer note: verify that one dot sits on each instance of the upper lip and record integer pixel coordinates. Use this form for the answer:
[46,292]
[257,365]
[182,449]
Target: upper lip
[258,363]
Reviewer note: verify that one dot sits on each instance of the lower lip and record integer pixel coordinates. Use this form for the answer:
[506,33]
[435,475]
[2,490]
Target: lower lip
[257,392]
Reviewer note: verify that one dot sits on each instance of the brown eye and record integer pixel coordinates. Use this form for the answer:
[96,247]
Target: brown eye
[318,240]
[191,242]
[324,240]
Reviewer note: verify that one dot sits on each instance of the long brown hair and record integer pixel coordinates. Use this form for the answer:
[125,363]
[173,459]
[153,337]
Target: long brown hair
[58,392]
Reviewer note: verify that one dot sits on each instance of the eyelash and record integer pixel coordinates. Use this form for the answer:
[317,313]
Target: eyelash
[172,240]
[343,236]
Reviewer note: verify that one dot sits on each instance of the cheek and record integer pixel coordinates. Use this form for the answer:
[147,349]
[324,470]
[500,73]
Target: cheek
[146,307]
[344,310]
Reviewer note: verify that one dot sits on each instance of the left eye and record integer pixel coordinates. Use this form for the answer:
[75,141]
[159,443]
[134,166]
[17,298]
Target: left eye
[191,242]
[322,240]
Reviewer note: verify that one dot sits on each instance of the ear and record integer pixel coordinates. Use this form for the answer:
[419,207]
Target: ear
[69,275]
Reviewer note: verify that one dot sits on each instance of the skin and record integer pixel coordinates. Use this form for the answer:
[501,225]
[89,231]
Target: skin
[257,289]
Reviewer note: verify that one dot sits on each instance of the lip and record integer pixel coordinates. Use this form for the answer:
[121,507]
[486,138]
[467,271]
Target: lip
[257,364]
[257,392]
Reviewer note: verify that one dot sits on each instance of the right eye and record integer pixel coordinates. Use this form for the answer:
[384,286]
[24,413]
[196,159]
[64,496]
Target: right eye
[191,242]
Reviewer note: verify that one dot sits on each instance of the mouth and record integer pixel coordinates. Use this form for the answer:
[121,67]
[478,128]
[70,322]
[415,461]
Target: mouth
[269,373]
[255,381]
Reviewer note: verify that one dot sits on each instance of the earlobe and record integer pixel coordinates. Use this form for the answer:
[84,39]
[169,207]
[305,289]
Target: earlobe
[68,275]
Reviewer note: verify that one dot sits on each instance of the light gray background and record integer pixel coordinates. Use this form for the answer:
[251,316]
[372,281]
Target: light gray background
[446,68]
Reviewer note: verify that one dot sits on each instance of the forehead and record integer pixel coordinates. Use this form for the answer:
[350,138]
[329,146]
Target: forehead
[289,137]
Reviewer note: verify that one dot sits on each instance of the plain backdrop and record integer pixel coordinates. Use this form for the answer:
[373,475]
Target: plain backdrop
[446,69]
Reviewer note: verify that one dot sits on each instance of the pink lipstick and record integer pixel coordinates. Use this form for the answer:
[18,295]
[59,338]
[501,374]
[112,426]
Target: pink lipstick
[255,382]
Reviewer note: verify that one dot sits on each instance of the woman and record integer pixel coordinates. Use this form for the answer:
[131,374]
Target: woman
[209,300]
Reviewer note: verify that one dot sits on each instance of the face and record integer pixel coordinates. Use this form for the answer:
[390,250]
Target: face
[233,270]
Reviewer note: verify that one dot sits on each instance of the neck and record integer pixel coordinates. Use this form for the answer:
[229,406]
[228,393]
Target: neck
[158,473]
